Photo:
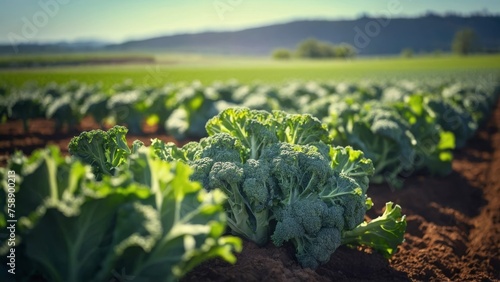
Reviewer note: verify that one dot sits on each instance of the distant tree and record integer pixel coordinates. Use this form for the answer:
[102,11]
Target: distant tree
[465,42]
[345,51]
[326,50]
[282,54]
[313,48]
[407,53]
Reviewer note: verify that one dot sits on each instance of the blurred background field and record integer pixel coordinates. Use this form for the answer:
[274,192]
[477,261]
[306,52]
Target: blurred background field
[110,69]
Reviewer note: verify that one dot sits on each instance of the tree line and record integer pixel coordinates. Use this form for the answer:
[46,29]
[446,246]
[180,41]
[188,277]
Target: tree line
[465,42]
[315,49]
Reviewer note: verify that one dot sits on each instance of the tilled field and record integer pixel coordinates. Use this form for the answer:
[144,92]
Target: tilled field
[453,222]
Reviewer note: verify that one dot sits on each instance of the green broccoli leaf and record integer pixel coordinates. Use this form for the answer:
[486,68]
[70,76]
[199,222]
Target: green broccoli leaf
[353,164]
[148,220]
[105,151]
[300,129]
[383,233]
[191,220]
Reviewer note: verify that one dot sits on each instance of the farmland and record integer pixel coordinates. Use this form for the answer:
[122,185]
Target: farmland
[427,129]
[169,68]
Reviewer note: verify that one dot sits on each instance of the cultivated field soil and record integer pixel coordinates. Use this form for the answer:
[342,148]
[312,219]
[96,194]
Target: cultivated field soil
[453,222]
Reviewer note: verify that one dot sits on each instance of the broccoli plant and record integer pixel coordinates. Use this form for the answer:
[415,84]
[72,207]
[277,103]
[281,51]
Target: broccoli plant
[105,151]
[64,110]
[96,106]
[24,106]
[147,220]
[433,145]
[193,109]
[315,203]
[281,180]
[160,104]
[128,108]
[380,133]
[452,118]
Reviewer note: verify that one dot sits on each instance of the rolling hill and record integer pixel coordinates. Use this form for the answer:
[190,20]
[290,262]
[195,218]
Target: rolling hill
[371,36]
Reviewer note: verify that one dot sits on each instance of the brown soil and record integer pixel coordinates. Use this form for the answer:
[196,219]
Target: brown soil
[453,222]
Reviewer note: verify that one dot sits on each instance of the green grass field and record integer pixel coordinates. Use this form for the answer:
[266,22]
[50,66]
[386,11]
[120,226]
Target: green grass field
[174,68]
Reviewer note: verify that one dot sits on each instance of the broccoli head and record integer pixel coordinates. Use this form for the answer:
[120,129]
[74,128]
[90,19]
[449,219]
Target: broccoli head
[247,214]
[304,224]
[317,200]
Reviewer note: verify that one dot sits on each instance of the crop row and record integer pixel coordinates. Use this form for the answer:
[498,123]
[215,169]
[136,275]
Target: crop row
[141,210]
[403,127]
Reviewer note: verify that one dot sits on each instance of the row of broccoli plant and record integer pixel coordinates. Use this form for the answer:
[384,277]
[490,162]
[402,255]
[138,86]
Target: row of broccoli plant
[409,131]
[142,220]
[133,211]
[282,178]
[181,109]
[404,127]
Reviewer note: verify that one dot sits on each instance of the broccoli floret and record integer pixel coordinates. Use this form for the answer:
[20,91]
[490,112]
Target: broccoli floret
[302,223]
[309,212]
[284,167]
[244,217]
[227,176]
[334,217]
[315,168]
[347,193]
[201,170]
[287,228]
[221,147]
[191,150]
[258,186]
[260,135]
[299,169]
[325,243]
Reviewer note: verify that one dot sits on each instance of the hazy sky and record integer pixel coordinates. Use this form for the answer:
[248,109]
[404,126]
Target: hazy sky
[119,20]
